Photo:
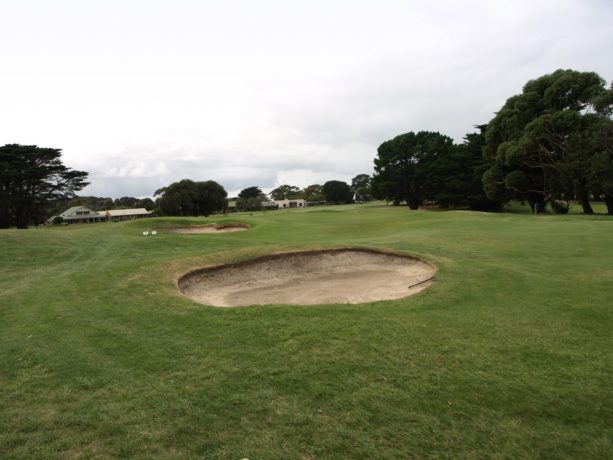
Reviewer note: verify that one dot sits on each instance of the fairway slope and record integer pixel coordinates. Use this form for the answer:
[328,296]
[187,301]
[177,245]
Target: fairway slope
[507,355]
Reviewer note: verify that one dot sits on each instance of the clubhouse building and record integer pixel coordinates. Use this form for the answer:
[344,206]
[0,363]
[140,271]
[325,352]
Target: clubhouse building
[84,215]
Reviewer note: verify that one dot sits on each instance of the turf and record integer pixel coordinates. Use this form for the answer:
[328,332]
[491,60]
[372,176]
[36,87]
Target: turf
[508,355]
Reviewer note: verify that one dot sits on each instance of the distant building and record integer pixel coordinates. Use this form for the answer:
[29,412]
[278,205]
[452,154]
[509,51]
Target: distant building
[284,204]
[79,215]
[116,215]
[266,205]
[269,205]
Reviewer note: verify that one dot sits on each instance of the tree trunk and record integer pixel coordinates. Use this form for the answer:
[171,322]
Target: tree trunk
[4,217]
[539,204]
[585,204]
[584,200]
[22,217]
[608,200]
[413,203]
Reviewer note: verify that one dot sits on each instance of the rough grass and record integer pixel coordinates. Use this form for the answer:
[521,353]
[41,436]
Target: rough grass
[507,355]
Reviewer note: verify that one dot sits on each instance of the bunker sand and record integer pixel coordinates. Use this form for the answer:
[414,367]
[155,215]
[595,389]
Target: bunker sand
[309,278]
[210,228]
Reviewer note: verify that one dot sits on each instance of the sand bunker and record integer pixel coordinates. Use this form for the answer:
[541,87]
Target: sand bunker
[210,228]
[308,278]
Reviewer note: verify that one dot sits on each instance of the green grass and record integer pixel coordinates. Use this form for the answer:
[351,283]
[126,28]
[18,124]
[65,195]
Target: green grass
[508,355]
[516,207]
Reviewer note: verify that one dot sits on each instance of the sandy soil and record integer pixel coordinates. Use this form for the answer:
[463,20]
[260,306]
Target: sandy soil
[308,278]
[211,228]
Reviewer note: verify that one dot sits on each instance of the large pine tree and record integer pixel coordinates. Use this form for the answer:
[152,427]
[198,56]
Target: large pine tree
[30,177]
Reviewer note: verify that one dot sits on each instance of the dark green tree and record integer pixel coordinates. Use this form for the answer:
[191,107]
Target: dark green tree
[360,181]
[30,178]
[210,198]
[313,193]
[383,189]
[337,192]
[527,142]
[146,203]
[250,204]
[360,185]
[462,171]
[250,192]
[593,149]
[92,202]
[189,198]
[405,167]
[286,192]
[125,202]
[363,194]
[177,199]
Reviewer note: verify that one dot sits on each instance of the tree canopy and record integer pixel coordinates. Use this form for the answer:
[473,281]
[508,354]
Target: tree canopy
[286,192]
[31,177]
[360,185]
[550,143]
[360,181]
[406,165]
[92,202]
[251,192]
[593,150]
[189,198]
[337,192]
[313,192]
[532,142]
[459,175]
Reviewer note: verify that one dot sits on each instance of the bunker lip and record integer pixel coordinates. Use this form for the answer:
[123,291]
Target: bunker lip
[325,276]
[209,228]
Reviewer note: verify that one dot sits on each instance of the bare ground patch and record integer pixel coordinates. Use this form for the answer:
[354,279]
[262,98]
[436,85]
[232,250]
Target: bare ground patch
[309,278]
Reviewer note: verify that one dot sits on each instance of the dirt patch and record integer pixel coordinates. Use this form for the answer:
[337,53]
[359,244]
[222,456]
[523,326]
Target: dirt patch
[210,228]
[309,278]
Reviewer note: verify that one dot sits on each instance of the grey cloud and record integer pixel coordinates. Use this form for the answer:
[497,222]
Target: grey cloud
[283,105]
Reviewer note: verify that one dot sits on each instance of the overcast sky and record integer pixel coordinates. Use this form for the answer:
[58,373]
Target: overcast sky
[143,93]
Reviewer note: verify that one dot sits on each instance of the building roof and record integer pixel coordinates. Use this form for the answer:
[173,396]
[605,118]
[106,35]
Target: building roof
[71,213]
[127,212]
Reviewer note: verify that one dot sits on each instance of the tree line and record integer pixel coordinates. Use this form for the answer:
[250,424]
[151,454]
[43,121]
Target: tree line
[551,144]
[189,198]
[97,203]
[35,185]
[333,191]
